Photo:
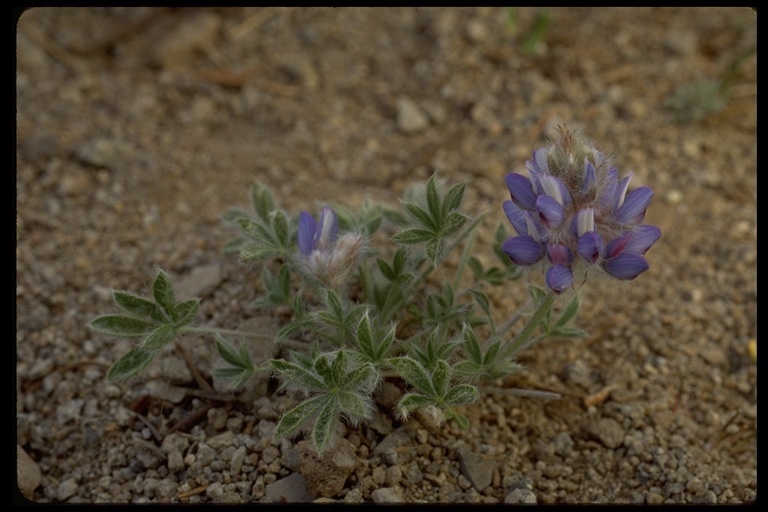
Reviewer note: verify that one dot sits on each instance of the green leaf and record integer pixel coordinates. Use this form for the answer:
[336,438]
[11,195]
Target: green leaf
[262,202]
[355,406]
[325,426]
[568,332]
[258,252]
[130,364]
[471,345]
[238,376]
[338,370]
[256,231]
[398,263]
[138,306]
[237,358]
[386,270]
[468,368]
[413,372]
[233,214]
[433,200]
[453,222]
[537,294]
[124,326]
[412,401]
[160,337]
[462,420]
[423,217]
[491,353]
[186,311]
[364,379]
[288,330]
[569,312]
[434,249]
[441,377]
[162,291]
[482,301]
[364,337]
[234,246]
[297,374]
[462,394]
[280,227]
[413,236]
[453,198]
[292,420]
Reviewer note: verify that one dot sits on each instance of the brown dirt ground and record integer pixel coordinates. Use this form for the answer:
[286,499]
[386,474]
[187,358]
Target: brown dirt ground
[138,127]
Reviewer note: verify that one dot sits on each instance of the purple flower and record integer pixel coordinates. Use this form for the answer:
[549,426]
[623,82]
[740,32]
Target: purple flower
[573,208]
[314,235]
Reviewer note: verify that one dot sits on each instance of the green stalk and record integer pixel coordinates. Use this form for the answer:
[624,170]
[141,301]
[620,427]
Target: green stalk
[533,323]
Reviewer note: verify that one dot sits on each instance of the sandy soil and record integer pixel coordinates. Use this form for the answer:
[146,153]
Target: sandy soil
[137,128]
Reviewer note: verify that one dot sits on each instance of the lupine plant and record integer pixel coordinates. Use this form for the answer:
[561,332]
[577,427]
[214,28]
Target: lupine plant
[400,293]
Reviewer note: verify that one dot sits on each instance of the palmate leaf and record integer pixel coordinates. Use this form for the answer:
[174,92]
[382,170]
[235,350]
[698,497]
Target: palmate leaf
[237,376]
[158,338]
[261,199]
[413,372]
[413,236]
[237,358]
[354,406]
[138,306]
[434,249]
[325,426]
[422,216]
[433,199]
[412,401]
[453,198]
[297,374]
[130,364]
[124,326]
[162,291]
[292,420]
[441,377]
[185,312]
[461,394]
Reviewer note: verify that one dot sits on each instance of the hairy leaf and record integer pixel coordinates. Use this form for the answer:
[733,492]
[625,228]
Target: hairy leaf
[130,364]
[162,291]
[413,236]
[325,426]
[186,311]
[292,420]
[124,326]
[158,338]
[138,306]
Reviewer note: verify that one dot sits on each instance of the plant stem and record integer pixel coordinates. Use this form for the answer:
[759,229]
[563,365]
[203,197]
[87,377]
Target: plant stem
[533,323]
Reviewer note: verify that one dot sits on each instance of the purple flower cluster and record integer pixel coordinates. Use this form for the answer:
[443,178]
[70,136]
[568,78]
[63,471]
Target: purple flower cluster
[573,209]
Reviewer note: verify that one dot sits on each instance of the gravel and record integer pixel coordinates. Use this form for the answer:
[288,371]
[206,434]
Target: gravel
[138,127]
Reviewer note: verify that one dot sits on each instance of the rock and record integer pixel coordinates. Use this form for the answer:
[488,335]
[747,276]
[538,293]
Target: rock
[291,489]
[521,496]
[104,152]
[236,462]
[389,447]
[476,468]
[198,282]
[410,118]
[607,431]
[28,473]
[326,476]
[387,495]
[41,146]
[67,489]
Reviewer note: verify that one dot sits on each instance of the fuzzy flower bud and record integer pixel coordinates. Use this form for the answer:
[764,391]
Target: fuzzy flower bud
[572,207]
[326,255]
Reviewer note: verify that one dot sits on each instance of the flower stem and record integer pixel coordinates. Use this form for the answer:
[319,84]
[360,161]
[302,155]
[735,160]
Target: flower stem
[533,322]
